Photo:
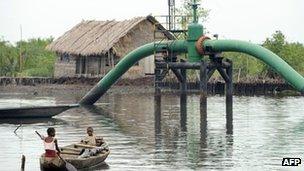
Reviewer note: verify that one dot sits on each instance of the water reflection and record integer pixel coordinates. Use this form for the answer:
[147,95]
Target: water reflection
[157,114]
[101,166]
[179,145]
[183,111]
[171,133]
[168,136]
[6,102]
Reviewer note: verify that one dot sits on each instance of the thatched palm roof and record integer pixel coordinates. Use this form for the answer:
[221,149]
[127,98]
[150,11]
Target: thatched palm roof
[96,37]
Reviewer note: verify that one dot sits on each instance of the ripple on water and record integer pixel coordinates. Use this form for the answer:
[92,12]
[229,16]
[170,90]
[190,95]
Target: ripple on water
[264,131]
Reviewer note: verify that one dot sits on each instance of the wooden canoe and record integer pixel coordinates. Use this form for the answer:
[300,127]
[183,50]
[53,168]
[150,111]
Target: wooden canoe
[70,153]
[34,111]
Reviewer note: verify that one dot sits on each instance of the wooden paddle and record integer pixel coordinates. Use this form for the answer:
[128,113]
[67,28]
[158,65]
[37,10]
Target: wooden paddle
[41,137]
[68,165]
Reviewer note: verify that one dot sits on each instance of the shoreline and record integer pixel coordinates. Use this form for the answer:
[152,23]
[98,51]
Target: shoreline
[139,85]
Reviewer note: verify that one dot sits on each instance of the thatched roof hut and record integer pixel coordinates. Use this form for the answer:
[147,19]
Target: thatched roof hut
[103,39]
[98,37]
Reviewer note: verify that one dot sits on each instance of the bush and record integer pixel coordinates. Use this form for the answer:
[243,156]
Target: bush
[35,59]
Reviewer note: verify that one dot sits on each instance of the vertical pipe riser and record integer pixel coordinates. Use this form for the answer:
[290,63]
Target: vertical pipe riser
[195,31]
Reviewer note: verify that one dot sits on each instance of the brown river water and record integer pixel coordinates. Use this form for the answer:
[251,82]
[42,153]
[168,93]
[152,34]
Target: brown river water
[145,136]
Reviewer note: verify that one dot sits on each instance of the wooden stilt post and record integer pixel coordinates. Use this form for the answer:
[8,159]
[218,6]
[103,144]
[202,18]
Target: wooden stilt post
[22,163]
[203,91]
[229,99]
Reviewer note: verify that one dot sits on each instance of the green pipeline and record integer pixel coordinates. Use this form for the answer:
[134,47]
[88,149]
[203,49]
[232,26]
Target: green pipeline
[265,55]
[127,62]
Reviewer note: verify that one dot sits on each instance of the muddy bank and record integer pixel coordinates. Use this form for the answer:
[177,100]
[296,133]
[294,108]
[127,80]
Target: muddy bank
[213,89]
[149,81]
[139,85]
[6,81]
[69,90]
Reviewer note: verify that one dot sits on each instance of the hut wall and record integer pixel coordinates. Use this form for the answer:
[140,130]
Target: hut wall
[147,64]
[134,36]
[93,65]
[134,72]
[65,67]
[141,34]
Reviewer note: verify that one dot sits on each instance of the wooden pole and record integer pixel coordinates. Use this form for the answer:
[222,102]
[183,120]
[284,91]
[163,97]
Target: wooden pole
[86,65]
[22,163]
[20,51]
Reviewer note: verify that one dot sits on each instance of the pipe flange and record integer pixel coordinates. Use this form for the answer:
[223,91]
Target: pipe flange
[199,45]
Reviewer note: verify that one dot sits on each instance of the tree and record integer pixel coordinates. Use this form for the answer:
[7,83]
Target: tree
[293,54]
[37,61]
[8,59]
[290,52]
[245,66]
[276,44]
[186,10]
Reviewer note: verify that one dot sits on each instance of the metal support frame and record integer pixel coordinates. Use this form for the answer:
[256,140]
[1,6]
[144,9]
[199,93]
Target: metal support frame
[206,70]
[157,81]
[203,90]
[229,98]
[183,82]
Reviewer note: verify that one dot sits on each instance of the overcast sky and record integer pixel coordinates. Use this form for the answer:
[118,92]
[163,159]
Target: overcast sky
[251,20]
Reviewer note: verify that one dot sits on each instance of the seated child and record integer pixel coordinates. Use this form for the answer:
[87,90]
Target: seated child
[90,139]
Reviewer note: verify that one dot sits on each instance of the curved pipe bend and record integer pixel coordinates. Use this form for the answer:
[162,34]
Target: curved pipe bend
[127,62]
[180,46]
[265,55]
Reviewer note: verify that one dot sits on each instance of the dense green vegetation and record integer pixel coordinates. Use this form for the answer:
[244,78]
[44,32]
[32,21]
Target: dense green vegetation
[246,67]
[26,58]
[36,61]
